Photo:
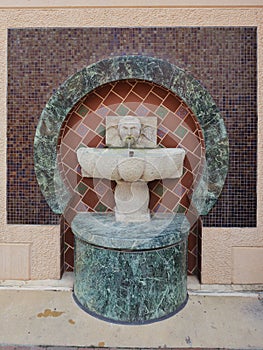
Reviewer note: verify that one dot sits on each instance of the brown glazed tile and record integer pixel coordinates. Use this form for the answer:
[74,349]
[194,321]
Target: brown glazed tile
[72,139]
[101,188]
[171,122]
[160,92]
[192,264]
[154,199]
[92,139]
[153,184]
[170,183]
[122,88]
[169,200]
[97,141]
[74,200]
[69,214]
[197,134]
[179,189]
[104,90]
[92,120]
[192,241]
[69,256]
[110,184]
[73,178]
[187,179]
[63,149]
[191,161]
[108,199]
[142,89]
[93,101]
[171,102]
[112,99]
[133,98]
[152,99]
[66,225]
[66,130]
[131,113]
[91,198]
[91,183]
[70,159]
[198,151]
[69,238]
[74,121]
[69,268]
[170,140]
[190,122]
[190,142]
[185,201]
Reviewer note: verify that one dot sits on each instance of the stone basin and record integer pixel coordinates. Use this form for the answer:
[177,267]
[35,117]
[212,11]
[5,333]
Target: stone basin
[131,164]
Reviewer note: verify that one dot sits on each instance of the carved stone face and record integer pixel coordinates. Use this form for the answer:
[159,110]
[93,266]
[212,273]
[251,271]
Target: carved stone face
[129,129]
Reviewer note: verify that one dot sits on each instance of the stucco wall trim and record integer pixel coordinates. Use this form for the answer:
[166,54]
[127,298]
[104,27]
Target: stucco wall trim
[9,4]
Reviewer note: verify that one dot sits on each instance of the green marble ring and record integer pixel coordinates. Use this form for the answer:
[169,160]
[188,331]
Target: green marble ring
[131,67]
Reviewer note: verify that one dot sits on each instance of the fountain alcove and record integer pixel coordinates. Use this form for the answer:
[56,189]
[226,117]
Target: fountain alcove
[148,281]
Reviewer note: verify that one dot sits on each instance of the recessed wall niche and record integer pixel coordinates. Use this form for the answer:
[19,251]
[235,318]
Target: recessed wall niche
[85,125]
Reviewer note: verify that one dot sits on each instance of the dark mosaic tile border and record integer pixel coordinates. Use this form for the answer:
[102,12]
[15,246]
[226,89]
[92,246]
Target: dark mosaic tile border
[223,58]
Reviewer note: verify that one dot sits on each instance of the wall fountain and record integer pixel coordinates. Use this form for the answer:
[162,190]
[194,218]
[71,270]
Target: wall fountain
[130,264]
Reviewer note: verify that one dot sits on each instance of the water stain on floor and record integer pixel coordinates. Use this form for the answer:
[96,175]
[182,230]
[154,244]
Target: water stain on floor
[50,313]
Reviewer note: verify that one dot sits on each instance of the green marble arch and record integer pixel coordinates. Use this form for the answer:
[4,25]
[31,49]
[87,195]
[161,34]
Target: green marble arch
[131,67]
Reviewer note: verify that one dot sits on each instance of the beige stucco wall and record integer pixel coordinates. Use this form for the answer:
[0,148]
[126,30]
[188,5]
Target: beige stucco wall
[40,244]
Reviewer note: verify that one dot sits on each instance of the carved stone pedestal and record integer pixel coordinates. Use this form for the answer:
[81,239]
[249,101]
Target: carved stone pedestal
[132,200]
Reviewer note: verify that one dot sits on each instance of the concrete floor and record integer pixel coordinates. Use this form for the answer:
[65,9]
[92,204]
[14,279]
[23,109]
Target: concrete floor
[34,313]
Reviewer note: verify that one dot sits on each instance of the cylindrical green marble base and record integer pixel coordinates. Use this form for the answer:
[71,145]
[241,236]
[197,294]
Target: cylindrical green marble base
[131,286]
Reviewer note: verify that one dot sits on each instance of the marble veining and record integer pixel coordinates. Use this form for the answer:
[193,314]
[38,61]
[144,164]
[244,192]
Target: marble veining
[130,287]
